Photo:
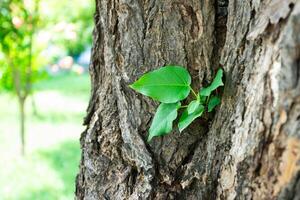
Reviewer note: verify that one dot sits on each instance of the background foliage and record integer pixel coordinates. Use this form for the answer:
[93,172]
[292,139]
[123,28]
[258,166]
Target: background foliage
[58,98]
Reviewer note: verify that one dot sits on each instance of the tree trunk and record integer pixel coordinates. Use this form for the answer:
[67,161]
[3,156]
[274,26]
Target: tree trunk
[22,124]
[248,149]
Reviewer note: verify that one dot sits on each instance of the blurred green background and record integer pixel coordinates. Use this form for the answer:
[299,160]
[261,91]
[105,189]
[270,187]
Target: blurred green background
[47,42]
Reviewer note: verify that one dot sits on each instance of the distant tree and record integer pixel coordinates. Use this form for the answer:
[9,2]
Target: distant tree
[18,24]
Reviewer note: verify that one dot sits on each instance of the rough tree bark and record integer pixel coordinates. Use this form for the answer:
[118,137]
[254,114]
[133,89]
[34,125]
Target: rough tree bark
[248,149]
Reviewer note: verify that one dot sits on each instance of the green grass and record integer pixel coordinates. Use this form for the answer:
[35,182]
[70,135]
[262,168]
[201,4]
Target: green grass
[52,133]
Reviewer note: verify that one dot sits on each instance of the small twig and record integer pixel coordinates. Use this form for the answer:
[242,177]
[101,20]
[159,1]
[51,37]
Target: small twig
[194,93]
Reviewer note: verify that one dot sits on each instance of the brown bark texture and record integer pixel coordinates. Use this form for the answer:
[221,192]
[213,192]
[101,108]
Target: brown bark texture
[249,148]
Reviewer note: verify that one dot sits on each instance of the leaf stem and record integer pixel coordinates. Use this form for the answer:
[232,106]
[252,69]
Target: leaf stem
[194,93]
[184,106]
[207,99]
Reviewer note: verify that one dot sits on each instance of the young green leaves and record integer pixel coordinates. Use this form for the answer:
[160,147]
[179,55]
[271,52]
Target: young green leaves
[197,107]
[170,85]
[213,102]
[188,117]
[162,122]
[217,82]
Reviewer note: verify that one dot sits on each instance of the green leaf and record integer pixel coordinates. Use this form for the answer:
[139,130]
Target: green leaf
[162,122]
[193,106]
[201,99]
[217,82]
[168,84]
[186,118]
[213,102]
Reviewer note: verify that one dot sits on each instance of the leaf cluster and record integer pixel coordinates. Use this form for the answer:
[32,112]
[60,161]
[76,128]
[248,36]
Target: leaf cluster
[170,85]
